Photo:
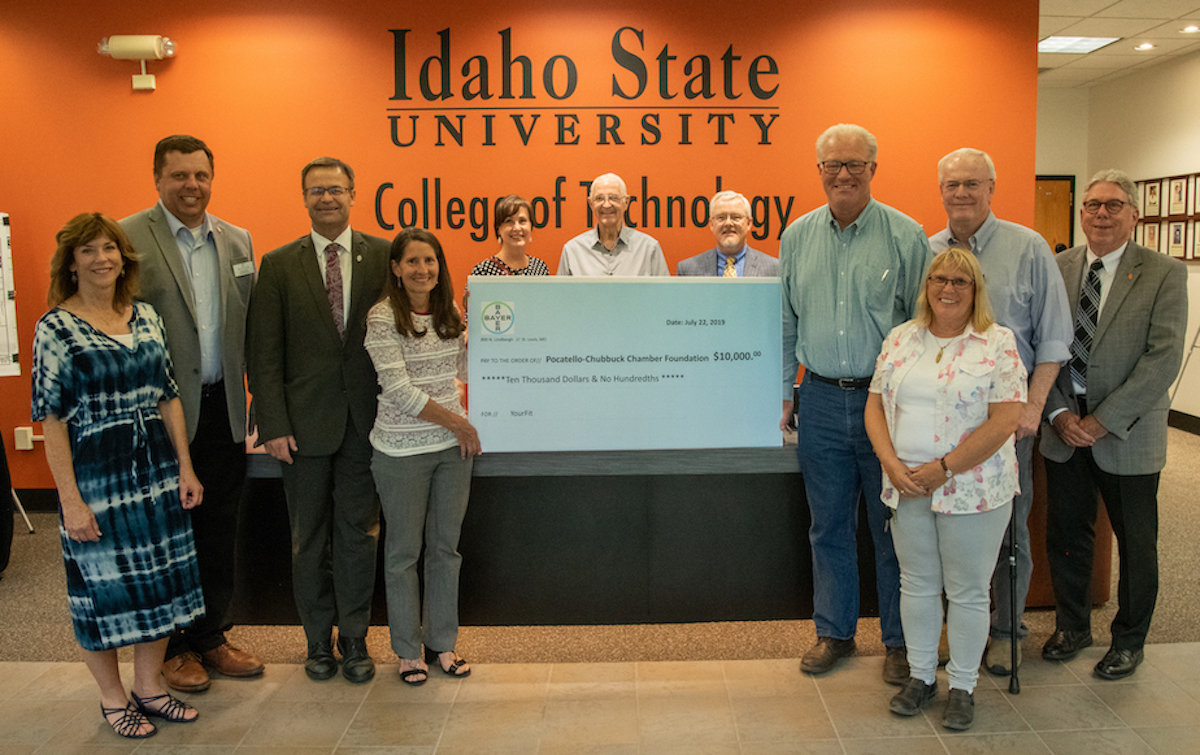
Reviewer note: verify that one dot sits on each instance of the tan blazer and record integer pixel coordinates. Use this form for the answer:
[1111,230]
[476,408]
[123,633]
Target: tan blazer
[165,287]
[1135,357]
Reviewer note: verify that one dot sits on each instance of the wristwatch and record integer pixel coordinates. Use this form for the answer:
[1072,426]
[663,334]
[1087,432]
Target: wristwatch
[945,468]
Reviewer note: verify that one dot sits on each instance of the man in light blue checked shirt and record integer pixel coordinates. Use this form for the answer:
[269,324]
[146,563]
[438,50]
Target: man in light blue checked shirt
[1028,297]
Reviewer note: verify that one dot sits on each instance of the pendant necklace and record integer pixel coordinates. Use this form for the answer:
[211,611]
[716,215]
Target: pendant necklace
[941,346]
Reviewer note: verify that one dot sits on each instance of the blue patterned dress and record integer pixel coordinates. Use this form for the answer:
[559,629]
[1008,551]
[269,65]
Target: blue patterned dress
[139,582]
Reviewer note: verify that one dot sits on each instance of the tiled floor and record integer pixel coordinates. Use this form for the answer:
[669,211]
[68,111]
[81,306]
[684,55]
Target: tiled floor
[661,708]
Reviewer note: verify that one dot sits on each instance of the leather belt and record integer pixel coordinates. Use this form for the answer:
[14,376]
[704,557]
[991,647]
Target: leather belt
[846,384]
[209,390]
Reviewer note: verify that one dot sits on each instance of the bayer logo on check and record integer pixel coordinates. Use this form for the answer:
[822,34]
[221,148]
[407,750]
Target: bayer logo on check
[498,318]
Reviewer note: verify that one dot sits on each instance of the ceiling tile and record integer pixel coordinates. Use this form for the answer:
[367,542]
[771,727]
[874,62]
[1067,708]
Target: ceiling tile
[1072,74]
[1048,25]
[1056,59]
[1148,8]
[1073,7]
[1109,27]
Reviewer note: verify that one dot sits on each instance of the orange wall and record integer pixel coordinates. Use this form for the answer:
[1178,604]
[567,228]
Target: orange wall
[272,87]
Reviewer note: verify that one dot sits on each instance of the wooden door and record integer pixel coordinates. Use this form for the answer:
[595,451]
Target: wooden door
[1054,210]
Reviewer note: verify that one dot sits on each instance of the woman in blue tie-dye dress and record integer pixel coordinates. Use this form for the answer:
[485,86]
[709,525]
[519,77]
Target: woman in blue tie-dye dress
[117,447]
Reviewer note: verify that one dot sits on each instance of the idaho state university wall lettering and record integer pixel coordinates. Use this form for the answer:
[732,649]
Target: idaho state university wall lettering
[714,87]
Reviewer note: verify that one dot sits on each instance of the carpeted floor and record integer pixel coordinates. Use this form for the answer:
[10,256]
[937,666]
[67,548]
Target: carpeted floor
[35,626]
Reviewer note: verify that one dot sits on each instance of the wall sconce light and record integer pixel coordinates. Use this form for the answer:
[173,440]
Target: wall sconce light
[141,47]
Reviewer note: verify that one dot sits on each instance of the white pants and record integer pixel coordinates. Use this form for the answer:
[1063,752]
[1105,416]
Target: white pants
[955,553]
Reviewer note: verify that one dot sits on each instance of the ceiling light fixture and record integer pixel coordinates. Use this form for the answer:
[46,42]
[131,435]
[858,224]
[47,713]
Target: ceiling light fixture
[1074,45]
[141,47]
[1143,47]
[1190,29]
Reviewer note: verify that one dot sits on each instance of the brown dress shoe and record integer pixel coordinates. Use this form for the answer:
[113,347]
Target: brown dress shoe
[228,660]
[185,674]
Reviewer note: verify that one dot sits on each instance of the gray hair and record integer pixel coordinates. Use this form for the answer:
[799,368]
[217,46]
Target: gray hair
[1120,178]
[967,152]
[728,195]
[848,131]
[614,176]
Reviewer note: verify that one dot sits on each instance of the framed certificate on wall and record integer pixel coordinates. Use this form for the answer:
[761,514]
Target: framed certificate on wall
[1152,199]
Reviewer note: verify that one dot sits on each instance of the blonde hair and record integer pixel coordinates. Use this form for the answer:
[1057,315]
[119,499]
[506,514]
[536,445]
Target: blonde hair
[958,258]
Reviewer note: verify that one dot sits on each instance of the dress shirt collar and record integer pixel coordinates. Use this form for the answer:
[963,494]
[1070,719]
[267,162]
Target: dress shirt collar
[833,222]
[1110,260]
[738,256]
[979,241]
[622,240]
[204,230]
[344,239]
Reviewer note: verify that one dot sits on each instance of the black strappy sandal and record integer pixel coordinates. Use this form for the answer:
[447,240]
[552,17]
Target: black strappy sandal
[128,724]
[455,670]
[173,710]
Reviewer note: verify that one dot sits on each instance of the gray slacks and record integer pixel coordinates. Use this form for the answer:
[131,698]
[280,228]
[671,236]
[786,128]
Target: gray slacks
[424,499]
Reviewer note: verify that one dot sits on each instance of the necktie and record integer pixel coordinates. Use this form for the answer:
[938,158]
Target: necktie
[333,286]
[1086,316]
[730,267]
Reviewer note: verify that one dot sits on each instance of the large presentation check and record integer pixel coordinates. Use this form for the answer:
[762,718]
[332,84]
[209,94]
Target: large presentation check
[570,364]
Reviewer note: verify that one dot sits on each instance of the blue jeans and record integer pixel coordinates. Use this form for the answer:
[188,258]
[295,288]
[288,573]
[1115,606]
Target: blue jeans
[838,465]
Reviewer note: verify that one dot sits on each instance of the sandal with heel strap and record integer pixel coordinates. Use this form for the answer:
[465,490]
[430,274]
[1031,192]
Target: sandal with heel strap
[455,670]
[171,709]
[130,721]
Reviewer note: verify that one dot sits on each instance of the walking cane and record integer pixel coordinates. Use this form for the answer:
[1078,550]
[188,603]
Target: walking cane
[1014,684]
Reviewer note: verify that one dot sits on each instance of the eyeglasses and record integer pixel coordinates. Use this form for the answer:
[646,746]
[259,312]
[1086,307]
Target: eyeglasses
[833,167]
[1092,206]
[334,191]
[959,284]
[953,186]
[607,198]
[728,218]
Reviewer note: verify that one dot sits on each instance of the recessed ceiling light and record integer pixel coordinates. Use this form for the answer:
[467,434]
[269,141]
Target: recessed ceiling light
[1076,45]
[1143,47]
[1192,29]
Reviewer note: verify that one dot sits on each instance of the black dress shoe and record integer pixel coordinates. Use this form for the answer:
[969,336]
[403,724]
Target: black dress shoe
[1118,664]
[357,665]
[320,664]
[1065,644]
[825,654]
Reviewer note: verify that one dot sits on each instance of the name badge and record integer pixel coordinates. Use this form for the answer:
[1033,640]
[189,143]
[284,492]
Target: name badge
[242,269]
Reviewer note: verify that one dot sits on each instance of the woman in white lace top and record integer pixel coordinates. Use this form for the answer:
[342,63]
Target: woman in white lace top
[424,448]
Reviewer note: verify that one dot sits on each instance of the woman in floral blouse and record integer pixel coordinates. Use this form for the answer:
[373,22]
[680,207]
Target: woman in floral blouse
[944,405]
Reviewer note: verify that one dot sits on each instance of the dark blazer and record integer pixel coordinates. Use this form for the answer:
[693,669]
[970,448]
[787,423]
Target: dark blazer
[757,265]
[1135,357]
[305,378]
[165,287]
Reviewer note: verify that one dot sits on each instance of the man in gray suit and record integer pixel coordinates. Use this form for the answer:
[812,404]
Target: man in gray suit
[729,221]
[197,271]
[314,393]
[1107,418]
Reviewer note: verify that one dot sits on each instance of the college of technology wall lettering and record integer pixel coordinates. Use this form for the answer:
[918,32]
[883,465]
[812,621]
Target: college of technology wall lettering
[726,100]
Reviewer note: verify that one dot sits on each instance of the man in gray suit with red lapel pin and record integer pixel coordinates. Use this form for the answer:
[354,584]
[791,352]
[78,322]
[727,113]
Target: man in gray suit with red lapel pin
[1107,417]
[314,392]
[729,221]
[197,272]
